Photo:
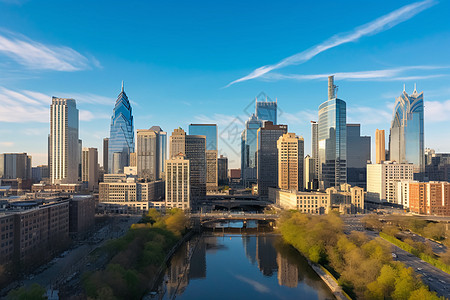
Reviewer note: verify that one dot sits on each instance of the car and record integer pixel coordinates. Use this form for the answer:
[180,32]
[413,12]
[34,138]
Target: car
[419,269]
[394,255]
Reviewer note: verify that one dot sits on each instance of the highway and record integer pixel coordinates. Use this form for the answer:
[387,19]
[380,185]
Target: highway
[437,280]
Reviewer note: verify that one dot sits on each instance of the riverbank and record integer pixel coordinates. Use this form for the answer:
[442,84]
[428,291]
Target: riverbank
[364,268]
[330,281]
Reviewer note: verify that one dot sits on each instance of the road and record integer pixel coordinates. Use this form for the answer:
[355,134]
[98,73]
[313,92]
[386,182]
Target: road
[437,280]
[437,248]
[74,262]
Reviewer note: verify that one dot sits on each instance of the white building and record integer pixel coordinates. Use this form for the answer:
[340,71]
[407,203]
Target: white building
[64,149]
[178,182]
[305,202]
[382,180]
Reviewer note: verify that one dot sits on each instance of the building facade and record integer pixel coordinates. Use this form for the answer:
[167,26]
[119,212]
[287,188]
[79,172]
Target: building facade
[430,198]
[121,137]
[266,109]
[380,147]
[89,168]
[151,153]
[315,148]
[290,162]
[178,189]
[222,170]
[305,202]
[382,180]
[65,158]
[210,133]
[267,156]
[105,155]
[15,165]
[406,139]
[249,139]
[358,154]
[332,139]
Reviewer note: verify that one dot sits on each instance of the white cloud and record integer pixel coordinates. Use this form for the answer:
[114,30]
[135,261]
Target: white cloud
[368,115]
[35,55]
[381,24]
[436,111]
[255,284]
[373,75]
[28,106]
[6,144]
[301,117]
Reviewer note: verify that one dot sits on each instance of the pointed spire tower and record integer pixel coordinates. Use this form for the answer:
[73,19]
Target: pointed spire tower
[121,139]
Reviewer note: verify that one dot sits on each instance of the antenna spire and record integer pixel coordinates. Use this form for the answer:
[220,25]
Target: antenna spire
[404,87]
[415,90]
[122,86]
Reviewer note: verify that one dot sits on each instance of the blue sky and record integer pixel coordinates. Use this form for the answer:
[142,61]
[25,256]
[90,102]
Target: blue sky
[178,57]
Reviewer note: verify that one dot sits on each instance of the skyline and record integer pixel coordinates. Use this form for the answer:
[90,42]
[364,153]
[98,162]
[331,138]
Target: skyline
[88,63]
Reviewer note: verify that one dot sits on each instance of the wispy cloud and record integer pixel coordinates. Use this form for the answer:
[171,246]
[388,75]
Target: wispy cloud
[378,25]
[399,74]
[30,106]
[301,117]
[37,56]
[436,111]
[6,144]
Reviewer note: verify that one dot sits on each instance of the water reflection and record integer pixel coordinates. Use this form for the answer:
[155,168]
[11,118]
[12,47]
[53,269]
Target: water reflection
[240,266]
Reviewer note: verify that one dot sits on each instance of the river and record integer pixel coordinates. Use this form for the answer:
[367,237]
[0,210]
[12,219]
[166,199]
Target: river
[240,266]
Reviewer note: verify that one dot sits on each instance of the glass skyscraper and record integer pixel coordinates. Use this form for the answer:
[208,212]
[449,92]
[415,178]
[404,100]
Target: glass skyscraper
[332,138]
[406,142]
[208,130]
[266,110]
[249,145]
[121,139]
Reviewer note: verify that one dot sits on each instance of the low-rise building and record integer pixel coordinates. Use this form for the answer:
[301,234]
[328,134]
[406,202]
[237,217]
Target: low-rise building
[305,202]
[81,214]
[430,198]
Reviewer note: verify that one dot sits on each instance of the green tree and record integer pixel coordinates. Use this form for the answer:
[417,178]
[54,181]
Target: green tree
[33,292]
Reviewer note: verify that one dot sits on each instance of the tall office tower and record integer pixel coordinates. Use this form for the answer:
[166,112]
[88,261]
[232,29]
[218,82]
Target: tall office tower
[222,170]
[89,168]
[162,138]
[121,137]
[380,147]
[406,141]
[315,148]
[64,143]
[267,156]
[310,182]
[194,148]
[210,132]
[15,165]
[248,150]
[149,153]
[266,109]
[358,153]
[290,162]
[105,155]
[178,182]
[382,180]
[332,138]
[429,153]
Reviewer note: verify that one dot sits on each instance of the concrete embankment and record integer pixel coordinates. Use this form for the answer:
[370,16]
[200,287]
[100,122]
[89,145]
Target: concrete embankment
[330,281]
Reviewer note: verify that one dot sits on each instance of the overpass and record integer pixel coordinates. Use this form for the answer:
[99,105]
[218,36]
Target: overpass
[205,218]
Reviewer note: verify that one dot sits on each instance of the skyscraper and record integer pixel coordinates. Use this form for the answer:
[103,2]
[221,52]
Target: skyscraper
[406,141]
[380,147]
[315,148]
[121,139]
[332,138]
[358,153]
[178,182]
[222,170]
[194,149]
[105,155]
[150,153]
[248,150]
[64,143]
[310,182]
[266,109]
[267,156]
[89,168]
[210,132]
[290,162]
[15,165]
